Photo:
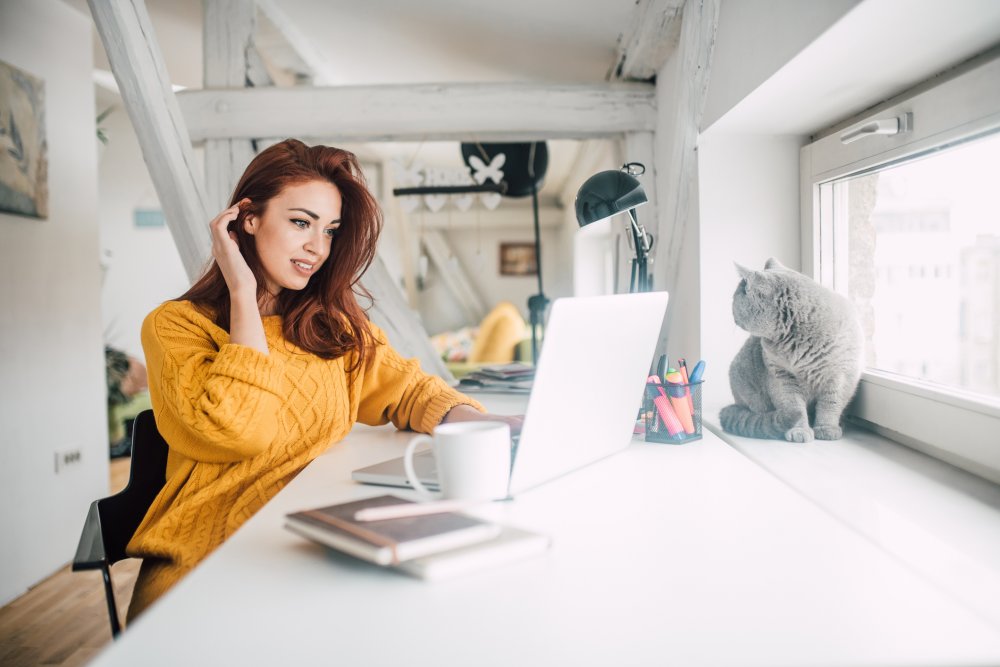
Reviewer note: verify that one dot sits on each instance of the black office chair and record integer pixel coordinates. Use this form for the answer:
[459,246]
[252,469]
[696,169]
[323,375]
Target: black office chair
[112,521]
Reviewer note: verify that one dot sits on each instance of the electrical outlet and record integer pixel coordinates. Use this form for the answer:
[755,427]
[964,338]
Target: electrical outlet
[66,458]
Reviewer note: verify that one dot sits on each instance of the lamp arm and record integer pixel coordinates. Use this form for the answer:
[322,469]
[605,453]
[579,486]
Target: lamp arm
[642,246]
[639,234]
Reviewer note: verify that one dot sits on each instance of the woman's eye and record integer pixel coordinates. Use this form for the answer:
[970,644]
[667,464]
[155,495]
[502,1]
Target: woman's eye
[301,224]
[331,232]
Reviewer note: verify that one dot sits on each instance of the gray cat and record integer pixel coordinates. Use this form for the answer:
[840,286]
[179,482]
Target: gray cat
[803,357]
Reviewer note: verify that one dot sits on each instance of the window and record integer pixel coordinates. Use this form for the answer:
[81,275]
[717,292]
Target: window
[900,213]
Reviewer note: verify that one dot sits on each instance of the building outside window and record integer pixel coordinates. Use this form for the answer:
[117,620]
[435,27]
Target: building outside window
[901,214]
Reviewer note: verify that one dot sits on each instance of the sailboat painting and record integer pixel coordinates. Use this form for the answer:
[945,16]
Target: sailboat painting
[24,167]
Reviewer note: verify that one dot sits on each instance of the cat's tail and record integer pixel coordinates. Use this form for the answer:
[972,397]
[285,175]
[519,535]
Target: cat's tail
[740,420]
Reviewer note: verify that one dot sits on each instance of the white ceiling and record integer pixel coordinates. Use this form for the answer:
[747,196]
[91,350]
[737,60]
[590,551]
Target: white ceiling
[403,41]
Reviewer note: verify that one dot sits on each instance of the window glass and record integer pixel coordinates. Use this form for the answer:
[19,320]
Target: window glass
[916,246]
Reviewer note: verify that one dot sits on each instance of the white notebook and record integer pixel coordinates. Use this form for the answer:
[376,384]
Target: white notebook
[513,544]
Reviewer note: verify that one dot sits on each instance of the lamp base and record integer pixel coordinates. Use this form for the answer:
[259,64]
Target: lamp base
[537,305]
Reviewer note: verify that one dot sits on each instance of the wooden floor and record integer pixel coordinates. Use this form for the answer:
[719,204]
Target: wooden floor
[64,619]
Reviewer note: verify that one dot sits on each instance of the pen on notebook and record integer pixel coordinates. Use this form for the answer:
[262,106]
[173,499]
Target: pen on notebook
[413,509]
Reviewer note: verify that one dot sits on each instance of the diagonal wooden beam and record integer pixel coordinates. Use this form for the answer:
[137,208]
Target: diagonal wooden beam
[127,34]
[283,40]
[432,111]
[650,38]
[454,277]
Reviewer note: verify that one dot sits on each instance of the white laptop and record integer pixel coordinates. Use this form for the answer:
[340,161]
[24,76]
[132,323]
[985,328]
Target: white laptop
[586,394]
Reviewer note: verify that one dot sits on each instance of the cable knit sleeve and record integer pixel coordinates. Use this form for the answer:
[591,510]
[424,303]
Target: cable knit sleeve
[395,389]
[214,401]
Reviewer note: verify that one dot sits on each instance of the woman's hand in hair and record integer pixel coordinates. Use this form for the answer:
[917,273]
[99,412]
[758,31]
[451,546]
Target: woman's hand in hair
[226,251]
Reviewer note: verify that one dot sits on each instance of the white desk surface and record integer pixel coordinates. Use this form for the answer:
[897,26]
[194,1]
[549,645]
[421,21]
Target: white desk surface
[662,555]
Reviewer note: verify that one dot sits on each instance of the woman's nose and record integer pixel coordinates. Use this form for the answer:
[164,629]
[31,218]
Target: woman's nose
[313,244]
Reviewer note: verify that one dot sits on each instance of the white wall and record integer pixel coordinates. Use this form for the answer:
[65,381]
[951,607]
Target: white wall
[51,351]
[749,211]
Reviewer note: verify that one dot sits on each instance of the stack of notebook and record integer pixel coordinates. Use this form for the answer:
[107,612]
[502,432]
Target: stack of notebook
[514,378]
[432,546]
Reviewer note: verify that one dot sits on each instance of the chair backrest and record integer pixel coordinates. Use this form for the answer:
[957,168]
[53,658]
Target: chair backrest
[119,515]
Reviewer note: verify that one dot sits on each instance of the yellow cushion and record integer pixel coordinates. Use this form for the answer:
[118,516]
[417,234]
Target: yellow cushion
[499,333]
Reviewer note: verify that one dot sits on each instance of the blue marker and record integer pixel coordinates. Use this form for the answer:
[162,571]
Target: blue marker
[697,371]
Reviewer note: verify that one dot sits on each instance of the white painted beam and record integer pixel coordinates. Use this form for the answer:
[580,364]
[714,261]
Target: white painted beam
[136,61]
[225,162]
[422,112]
[227,45]
[677,165]
[650,38]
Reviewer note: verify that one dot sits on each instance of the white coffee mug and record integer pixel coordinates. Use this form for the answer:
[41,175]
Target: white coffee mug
[473,460]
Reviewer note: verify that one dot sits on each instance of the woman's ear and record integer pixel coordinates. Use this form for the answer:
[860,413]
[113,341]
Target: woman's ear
[250,224]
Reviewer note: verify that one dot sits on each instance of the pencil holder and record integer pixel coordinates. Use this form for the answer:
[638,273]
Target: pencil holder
[672,413]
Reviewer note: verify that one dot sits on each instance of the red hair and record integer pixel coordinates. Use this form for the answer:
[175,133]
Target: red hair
[324,317]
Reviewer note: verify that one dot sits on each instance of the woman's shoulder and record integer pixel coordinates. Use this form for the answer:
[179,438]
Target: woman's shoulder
[174,315]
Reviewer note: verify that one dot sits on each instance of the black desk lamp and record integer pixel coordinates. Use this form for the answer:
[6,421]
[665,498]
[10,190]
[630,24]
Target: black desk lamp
[608,193]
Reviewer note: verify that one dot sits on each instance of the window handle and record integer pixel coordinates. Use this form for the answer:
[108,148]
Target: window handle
[880,126]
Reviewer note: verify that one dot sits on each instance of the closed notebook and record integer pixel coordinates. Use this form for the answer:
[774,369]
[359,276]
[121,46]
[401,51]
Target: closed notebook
[390,541]
[512,544]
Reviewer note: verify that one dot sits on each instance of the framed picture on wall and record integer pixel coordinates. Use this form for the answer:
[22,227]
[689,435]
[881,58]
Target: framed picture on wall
[24,187]
[518,259]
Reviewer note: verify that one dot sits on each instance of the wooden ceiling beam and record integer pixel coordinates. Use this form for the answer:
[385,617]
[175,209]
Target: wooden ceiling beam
[422,112]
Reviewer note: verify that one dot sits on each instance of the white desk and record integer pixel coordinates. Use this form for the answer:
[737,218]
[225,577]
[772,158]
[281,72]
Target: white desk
[662,555]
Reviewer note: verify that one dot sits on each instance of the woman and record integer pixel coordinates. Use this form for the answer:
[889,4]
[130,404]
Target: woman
[268,358]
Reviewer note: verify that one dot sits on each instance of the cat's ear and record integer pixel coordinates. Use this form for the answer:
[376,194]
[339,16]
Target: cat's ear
[773,263]
[744,272]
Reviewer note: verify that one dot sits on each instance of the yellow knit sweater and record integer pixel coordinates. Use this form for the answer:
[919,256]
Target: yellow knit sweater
[241,424]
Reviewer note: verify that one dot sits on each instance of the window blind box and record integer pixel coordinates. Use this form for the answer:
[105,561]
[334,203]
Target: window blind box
[391,541]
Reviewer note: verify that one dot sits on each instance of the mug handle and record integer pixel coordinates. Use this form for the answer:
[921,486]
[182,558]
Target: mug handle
[411,474]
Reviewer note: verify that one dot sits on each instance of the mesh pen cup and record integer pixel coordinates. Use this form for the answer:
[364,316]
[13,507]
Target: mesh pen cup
[672,413]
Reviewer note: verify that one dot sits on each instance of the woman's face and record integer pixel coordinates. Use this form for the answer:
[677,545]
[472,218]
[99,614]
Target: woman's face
[294,234]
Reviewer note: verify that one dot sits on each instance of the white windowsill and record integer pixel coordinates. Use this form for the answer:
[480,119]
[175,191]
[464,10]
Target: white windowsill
[941,522]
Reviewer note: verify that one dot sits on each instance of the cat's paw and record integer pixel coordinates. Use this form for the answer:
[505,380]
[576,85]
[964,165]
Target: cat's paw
[799,434]
[827,432]
[729,417]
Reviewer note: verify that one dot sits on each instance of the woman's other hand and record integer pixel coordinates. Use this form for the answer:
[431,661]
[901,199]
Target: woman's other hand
[467,413]
[239,278]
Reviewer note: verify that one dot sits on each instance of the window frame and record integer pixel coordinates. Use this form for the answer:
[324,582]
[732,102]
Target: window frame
[956,426]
